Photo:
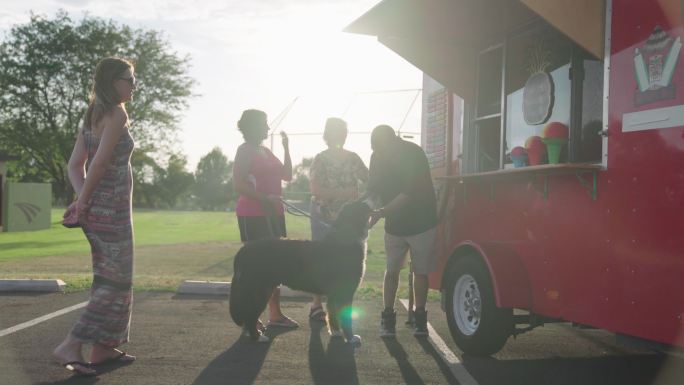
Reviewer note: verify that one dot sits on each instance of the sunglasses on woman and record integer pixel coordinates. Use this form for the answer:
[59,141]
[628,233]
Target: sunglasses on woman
[130,81]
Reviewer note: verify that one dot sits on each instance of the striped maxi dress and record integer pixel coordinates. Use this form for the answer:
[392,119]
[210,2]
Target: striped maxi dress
[109,230]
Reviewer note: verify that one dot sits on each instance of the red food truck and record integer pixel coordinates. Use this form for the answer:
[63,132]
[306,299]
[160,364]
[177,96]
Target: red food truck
[555,131]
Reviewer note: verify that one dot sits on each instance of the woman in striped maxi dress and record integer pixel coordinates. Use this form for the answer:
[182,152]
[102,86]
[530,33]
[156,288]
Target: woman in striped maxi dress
[104,146]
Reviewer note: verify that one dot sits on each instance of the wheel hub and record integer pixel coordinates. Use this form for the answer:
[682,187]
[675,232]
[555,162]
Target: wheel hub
[467,305]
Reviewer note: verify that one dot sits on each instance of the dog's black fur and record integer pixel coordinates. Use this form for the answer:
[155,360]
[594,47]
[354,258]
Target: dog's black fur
[332,267]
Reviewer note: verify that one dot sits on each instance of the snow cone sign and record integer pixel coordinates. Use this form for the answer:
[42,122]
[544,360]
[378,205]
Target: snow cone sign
[654,65]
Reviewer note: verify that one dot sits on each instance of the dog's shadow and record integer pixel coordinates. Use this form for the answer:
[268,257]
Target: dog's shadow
[336,365]
[240,364]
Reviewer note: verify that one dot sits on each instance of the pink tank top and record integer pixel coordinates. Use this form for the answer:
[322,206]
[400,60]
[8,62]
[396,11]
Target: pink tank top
[266,176]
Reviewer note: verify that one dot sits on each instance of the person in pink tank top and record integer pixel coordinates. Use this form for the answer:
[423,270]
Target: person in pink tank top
[257,177]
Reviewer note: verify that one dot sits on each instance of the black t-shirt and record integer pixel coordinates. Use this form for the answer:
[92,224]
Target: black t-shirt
[403,168]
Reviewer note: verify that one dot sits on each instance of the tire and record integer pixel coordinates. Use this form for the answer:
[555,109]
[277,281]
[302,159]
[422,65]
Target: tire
[476,324]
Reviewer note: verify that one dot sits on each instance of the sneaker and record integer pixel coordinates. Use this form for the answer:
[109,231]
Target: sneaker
[388,323]
[420,322]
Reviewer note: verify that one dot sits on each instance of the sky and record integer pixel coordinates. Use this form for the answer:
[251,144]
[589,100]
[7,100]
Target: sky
[275,55]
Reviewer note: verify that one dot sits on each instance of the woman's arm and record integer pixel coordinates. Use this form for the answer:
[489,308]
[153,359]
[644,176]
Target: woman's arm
[361,169]
[314,171]
[114,127]
[287,162]
[77,161]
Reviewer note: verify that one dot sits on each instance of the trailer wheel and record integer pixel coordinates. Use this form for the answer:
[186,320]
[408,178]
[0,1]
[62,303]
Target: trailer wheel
[477,326]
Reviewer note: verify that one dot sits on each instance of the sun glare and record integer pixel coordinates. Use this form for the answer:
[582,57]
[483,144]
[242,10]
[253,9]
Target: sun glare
[356,313]
[328,72]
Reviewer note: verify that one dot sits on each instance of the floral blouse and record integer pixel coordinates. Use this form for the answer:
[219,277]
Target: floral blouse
[332,171]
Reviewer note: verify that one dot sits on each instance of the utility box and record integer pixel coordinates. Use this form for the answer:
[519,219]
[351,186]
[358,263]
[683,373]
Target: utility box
[26,206]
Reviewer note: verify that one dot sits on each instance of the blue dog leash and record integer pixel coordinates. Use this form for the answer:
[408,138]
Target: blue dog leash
[296,211]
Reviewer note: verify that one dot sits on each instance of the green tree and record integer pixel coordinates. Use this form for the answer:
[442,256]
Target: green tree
[214,181]
[173,184]
[46,69]
[145,169]
[298,188]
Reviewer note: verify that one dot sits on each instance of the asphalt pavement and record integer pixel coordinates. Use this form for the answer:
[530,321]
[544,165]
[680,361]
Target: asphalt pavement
[192,340]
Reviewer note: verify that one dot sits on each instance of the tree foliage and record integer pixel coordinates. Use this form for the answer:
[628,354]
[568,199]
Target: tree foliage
[144,168]
[214,181]
[46,69]
[299,188]
[174,183]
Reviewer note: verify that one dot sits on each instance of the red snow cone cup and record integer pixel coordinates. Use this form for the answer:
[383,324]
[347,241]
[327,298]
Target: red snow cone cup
[555,130]
[536,150]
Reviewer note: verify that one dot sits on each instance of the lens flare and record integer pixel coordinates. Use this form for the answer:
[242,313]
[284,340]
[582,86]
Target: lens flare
[354,312]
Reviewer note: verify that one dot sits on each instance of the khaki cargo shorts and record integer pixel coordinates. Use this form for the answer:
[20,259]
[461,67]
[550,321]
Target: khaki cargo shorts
[423,248]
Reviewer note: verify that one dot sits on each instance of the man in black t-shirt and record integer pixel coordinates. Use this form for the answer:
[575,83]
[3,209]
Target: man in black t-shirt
[399,177]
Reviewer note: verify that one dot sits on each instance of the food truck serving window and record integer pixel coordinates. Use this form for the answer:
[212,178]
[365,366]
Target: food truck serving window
[536,89]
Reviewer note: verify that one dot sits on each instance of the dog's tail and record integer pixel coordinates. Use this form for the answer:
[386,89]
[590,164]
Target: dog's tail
[238,291]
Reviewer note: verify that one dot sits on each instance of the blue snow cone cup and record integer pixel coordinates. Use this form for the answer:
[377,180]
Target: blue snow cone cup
[519,160]
[519,157]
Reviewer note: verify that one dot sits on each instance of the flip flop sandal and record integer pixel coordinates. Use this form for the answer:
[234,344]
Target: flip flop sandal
[80,368]
[317,314]
[120,358]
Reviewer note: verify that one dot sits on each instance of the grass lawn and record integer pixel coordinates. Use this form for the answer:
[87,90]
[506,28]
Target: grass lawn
[170,246]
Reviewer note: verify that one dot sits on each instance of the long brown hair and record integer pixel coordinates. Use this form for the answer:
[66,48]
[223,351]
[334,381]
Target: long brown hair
[103,96]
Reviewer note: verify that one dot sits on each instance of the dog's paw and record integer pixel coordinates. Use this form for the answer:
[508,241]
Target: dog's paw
[261,337]
[355,341]
[336,334]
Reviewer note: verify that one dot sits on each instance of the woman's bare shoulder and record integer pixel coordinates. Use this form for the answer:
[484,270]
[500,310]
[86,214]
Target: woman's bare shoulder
[116,118]
[119,113]
[244,153]
[244,148]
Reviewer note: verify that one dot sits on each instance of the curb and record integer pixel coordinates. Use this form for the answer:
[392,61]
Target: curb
[204,288]
[223,289]
[34,285]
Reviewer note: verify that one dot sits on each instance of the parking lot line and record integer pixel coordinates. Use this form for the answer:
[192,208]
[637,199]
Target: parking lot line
[44,318]
[450,359]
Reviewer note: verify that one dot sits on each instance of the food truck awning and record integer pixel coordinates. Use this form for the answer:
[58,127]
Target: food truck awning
[442,37]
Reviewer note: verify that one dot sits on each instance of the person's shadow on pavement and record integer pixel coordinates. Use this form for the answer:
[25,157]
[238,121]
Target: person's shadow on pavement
[334,366]
[240,364]
[408,372]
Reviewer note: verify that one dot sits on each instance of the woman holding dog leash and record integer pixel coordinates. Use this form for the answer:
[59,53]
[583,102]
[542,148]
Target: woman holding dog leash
[257,176]
[335,176]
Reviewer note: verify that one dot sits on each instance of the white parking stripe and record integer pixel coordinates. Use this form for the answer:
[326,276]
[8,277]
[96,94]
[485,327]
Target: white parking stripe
[450,359]
[44,318]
